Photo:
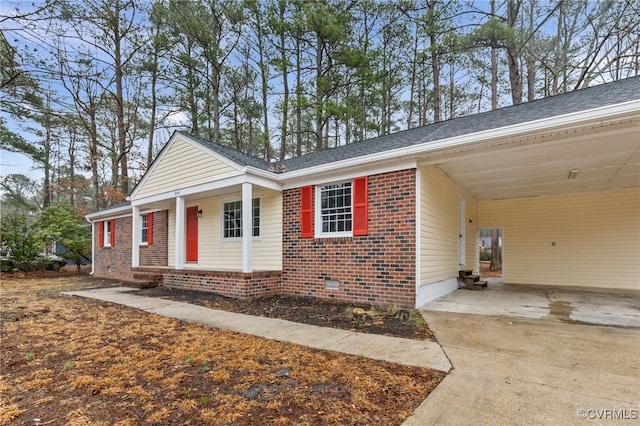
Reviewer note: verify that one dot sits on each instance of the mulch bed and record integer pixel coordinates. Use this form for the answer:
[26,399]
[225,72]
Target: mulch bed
[389,321]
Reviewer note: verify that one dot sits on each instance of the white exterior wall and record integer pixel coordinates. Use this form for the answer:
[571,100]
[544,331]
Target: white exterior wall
[184,165]
[226,255]
[596,236]
[439,197]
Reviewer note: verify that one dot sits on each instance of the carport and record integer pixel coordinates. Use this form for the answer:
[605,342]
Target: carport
[566,193]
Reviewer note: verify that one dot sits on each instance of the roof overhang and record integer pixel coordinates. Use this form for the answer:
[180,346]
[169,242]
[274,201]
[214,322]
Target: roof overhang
[538,155]
[112,213]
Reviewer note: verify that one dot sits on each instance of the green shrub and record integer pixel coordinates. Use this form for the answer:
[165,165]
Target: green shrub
[6,265]
[485,255]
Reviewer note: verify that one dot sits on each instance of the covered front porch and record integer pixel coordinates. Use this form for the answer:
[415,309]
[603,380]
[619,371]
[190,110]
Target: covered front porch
[208,244]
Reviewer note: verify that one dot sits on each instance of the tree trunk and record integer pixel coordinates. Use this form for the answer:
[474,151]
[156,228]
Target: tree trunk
[122,137]
[495,250]
[285,83]
[298,100]
[319,95]
[515,77]
[494,65]
[154,101]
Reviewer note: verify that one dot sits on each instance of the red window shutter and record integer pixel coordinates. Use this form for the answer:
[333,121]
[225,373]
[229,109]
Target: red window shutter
[150,228]
[101,233]
[360,206]
[113,232]
[306,212]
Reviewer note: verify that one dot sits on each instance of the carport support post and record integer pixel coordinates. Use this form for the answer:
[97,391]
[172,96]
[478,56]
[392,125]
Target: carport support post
[247,226]
[135,237]
[180,233]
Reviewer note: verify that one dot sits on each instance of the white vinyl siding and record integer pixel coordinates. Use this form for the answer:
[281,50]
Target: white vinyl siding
[267,253]
[596,236]
[182,166]
[216,253]
[439,198]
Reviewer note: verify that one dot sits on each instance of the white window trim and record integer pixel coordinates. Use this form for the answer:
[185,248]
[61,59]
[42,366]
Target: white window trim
[143,243]
[318,212]
[107,233]
[235,199]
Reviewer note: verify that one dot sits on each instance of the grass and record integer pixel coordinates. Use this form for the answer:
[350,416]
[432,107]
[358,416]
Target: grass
[108,364]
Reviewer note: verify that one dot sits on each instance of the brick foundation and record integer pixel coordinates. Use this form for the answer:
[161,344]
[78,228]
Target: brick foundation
[238,285]
[378,268]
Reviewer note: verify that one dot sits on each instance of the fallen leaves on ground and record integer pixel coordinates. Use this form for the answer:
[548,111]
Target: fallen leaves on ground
[67,360]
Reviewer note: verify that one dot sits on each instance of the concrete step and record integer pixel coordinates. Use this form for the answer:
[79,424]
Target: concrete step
[462,273]
[471,278]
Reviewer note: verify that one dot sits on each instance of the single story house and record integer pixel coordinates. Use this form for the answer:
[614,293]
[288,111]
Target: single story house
[393,219]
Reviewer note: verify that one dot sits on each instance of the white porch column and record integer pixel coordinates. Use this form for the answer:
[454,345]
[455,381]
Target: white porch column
[135,237]
[180,233]
[247,226]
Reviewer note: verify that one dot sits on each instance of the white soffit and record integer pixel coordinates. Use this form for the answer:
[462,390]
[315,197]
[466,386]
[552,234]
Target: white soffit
[607,158]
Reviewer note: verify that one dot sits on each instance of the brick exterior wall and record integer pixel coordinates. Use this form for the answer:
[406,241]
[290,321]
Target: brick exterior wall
[114,262]
[157,253]
[378,268]
[238,285]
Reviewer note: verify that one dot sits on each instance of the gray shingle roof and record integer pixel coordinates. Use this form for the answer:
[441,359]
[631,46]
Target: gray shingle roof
[566,103]
[579,100]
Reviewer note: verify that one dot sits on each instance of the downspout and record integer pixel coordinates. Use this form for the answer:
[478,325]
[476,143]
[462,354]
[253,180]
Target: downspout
[417,231]
[93,247]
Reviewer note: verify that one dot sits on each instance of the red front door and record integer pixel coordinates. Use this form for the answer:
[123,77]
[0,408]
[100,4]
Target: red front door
[192,234]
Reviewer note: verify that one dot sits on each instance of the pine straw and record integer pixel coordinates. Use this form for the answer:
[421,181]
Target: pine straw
[100,364]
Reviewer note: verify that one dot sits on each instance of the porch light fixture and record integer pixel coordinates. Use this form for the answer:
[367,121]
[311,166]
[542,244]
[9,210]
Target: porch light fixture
[573,173]
[199,213]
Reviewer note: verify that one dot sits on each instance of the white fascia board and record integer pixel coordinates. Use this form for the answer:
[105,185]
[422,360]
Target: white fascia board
[546,124]
[190,190]
[209,186]
[335,173]
[262,178]
[109,214]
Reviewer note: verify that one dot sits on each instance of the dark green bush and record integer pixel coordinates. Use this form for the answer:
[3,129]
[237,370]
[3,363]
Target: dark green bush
[6,265]
[485,255]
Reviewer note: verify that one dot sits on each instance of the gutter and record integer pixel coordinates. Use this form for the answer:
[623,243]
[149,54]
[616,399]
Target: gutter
[93,246]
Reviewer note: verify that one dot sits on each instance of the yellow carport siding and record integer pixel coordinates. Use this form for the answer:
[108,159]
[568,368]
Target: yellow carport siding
[590,239]
[182,166]
[439,200]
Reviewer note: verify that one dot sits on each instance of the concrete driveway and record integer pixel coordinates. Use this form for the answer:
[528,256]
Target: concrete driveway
[535,358]
[571,304]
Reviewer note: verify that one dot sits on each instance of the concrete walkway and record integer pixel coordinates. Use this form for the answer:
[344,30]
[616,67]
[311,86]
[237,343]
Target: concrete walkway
[417,353]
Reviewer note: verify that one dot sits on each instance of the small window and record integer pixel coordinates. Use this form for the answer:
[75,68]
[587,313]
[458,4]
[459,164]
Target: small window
[335,209]
[144,227]
[232,218]
[107,233]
